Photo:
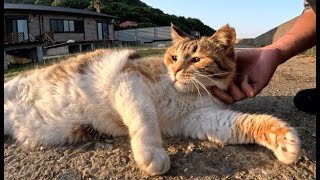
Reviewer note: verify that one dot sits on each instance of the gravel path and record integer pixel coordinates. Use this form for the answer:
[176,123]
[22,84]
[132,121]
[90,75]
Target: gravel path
[190,159]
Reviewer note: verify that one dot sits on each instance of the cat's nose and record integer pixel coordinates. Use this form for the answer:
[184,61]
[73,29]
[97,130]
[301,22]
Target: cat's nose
[176,68]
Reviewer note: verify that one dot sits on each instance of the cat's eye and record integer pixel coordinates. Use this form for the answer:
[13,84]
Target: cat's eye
[174,58]
[195,59]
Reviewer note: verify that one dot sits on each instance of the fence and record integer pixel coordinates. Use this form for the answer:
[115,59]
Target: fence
[144,34]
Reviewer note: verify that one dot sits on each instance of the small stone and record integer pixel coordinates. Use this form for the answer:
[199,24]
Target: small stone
[109,141]
[185,170]
[99,146]
[86,145]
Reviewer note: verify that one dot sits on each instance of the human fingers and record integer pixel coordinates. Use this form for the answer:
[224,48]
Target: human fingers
[247,88]
[223,96]
[236,92]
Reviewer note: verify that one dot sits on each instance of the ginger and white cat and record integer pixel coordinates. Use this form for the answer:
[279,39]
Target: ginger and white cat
[118,93]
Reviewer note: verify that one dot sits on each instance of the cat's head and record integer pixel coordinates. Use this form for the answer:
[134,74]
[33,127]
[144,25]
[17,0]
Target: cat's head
[209,61]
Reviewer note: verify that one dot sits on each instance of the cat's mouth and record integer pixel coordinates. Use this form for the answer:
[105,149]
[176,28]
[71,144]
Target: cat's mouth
[181,86]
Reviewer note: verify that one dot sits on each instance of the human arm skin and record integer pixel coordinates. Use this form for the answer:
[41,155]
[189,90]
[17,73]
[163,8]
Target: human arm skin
[255,67]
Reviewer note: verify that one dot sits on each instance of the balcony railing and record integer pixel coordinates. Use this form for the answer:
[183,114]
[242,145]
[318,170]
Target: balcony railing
[18,37]
[46,37]
[15,38]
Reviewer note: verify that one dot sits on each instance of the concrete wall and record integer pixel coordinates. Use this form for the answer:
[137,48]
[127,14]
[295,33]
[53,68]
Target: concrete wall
[246,41]
[144,34]
[266,38]
[273,34]
[62,50]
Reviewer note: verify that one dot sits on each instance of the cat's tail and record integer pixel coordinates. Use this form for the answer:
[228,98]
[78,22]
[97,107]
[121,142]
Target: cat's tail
[112,64]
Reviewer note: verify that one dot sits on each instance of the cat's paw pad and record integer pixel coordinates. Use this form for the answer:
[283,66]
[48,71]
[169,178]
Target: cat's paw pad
[153,160]
[286,144]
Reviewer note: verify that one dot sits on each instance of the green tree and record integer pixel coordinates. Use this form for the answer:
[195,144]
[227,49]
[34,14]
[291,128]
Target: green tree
[97,5]
[22,1]
[43,2]
[79,4]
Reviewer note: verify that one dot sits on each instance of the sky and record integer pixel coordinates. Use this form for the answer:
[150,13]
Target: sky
[250,18]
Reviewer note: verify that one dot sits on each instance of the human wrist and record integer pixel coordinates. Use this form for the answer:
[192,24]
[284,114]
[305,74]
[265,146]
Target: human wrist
[278,53]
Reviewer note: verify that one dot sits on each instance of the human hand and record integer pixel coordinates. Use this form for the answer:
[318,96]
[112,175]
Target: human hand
[255,68]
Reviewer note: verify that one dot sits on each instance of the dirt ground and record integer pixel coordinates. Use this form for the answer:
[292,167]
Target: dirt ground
[190,159]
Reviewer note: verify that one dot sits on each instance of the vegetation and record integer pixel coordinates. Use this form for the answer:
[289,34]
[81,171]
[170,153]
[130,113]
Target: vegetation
[310,52]
[129,10]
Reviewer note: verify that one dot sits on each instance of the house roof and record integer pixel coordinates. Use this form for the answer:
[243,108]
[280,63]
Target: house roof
[30,7]
[128,23]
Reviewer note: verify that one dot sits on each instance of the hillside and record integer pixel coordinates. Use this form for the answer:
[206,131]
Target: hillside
[129,10]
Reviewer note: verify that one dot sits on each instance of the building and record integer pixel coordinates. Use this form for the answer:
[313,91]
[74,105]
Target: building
[24,22]
[33,30]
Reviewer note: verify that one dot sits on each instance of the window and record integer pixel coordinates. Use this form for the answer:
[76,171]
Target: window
[18,26]
[73,26]
[66,26]
[102,30]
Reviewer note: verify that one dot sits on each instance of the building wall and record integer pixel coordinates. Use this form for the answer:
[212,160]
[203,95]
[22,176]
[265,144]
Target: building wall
[62,37]
[90,29]
[34,24]
[111,31]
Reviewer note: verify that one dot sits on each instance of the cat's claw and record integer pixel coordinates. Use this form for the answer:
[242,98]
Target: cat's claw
[153,160]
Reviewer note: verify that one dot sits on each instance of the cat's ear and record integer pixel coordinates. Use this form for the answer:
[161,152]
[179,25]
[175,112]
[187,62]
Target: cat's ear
[177,34]
[225,36]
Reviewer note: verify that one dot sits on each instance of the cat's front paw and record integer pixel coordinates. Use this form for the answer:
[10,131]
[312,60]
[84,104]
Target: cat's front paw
[284,142]
[287,147]
[153,160]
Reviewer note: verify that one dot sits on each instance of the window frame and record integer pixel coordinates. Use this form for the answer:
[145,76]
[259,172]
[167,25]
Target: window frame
[102,28]
[71,23]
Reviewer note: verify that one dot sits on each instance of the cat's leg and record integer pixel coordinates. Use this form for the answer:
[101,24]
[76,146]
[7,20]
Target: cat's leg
[136,108]
[227,126]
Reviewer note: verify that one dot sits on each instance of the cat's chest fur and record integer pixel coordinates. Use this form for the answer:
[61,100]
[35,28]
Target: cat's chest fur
[170,104]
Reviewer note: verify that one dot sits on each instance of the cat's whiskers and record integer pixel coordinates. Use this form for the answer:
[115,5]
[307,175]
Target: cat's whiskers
[199,93]
[202,75]
[212,75]
[198,82]
[187,77]
[211,97]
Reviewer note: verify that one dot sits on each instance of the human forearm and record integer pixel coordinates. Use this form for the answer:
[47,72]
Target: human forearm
[299,38]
